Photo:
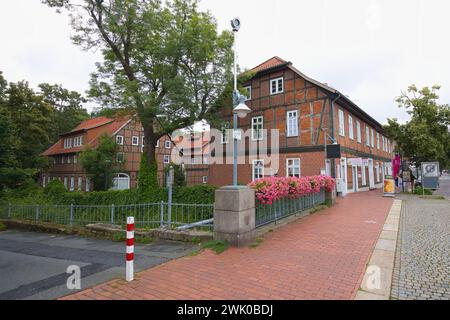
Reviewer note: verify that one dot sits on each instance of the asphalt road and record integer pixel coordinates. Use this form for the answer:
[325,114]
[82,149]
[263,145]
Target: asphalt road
[444,186]
[34,265]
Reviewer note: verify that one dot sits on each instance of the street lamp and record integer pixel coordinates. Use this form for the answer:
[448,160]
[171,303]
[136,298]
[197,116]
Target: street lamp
[239,107]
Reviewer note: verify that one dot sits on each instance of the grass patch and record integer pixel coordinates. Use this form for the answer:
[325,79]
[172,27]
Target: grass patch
[318,208]
[433,197]
[215,245]
[2,226]
[257,242]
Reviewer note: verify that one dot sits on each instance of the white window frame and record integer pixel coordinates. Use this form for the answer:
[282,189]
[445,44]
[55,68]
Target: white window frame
[293,166]
[248,89]
[65,182]
[261,173]
[341,123]
[121,177]
[43,181]
[72,183]
[378,140]
[157,142]
[358,131]
[372,138]
[135,140]
[292,123]
[80,183]
[351,131]
[123,157]
[119,140]
[363,176]
[205,179]
[277,90]
[257,121]
[88,184]
[167,144]
[367,136]
[166,159]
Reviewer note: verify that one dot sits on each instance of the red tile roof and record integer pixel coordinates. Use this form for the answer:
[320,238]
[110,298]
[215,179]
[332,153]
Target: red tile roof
[269,64]
[93,129]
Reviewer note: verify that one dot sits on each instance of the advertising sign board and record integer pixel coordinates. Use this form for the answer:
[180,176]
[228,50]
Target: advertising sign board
[430,175]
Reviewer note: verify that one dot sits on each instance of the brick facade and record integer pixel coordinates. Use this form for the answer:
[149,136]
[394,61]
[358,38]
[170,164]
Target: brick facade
[65,165]
[317,106]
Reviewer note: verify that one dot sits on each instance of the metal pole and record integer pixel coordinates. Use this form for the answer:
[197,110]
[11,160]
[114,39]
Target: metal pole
[112,214]
[169,204]
[235,118]
[71,214]
[162,213]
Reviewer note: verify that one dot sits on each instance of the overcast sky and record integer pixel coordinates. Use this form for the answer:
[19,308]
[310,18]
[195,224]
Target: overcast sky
[367,49]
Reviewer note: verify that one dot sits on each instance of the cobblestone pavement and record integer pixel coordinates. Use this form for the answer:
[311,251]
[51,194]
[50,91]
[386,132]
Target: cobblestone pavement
[422,261]
[322,256]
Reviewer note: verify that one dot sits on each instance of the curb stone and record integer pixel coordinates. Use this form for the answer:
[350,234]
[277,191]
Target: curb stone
[377,280]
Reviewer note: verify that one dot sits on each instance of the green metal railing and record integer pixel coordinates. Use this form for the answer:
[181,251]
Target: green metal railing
[279,209]
[148,215]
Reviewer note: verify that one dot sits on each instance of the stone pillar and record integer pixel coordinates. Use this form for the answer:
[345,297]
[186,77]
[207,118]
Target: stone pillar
[330,197]
[234,215]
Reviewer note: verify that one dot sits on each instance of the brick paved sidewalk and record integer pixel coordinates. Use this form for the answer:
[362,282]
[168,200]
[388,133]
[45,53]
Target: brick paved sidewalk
[322,256]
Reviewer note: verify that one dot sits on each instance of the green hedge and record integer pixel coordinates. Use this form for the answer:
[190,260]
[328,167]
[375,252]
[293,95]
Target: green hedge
[199,194]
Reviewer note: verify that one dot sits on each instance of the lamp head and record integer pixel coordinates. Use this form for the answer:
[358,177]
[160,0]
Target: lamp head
[241,109]
[236,24]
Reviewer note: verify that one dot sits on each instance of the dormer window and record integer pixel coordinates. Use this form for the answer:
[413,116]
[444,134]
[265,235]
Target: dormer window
[276,85]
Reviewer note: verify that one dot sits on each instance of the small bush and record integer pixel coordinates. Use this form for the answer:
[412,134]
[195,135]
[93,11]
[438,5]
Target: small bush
[217,246]
[420,191]
[55,189]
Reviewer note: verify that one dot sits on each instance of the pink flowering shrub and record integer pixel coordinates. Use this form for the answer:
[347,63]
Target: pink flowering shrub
[271,189]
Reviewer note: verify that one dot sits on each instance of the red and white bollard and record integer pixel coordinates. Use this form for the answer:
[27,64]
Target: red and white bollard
[130,249]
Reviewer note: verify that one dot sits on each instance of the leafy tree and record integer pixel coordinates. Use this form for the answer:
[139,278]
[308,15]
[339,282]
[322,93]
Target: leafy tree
[100,163]
[166,62]
[68,110]
[426,136]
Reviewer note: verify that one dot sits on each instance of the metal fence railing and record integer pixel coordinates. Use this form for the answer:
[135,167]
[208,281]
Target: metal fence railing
[267,213]
[148,215]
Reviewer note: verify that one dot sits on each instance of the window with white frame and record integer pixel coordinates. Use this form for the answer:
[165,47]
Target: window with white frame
[341,123]
[157,142]
[292,123]
[167,144]
[350,127]
[293,168]
[49,179]
[78,141]
[367,136]
[372,138]
[119,140]
[258,169]
[205,179]
[363,175]
[248,93]
[65,182]
[121,182]
[383,143]
[88,184]
[276,85]
[166,159]
[389,146]
[257,128]
[80,183]
[358,131]
[68,143]
[69,159]
[75,159]
[120,157]
[43,181]
[135,140]
[72,183]
[378,141]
